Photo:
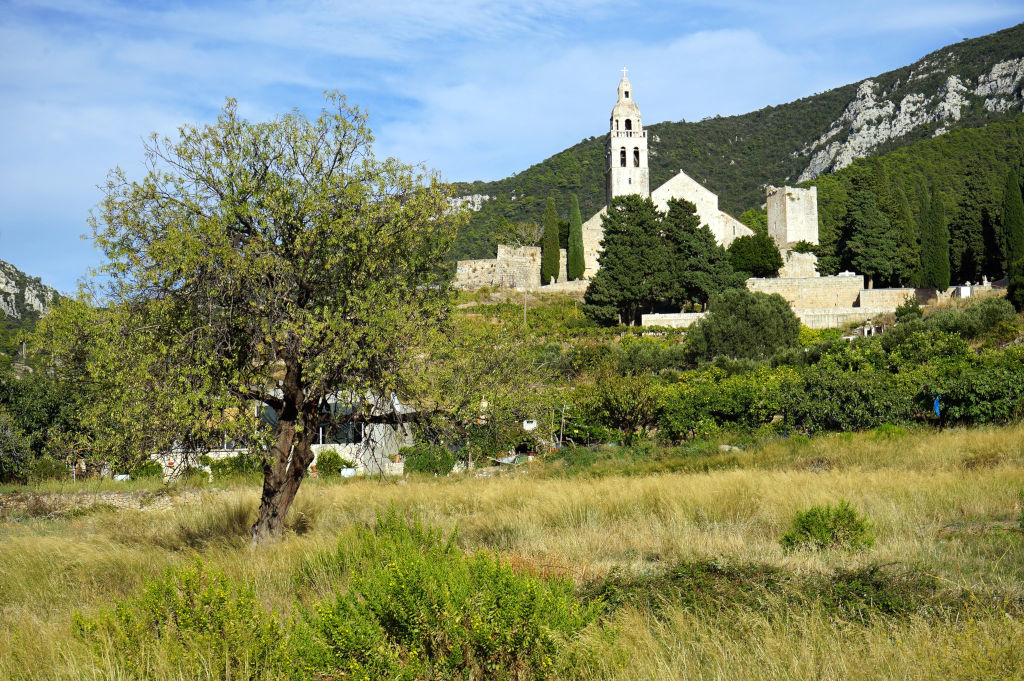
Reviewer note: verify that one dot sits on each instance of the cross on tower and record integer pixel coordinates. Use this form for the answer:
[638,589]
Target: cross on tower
[624,69]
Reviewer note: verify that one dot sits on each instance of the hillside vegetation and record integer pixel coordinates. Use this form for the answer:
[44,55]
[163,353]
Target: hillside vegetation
[735,156]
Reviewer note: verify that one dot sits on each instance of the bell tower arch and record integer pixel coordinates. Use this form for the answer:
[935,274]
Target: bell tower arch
[626,170]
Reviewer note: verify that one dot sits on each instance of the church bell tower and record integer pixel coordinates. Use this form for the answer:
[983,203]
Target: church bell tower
[627,171]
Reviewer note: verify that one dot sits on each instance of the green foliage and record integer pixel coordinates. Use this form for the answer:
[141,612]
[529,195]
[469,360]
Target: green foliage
[756,219]
[652,258]
[196,620]
[417,607]
[803,247]
[974,320]
[625,403]
[828,527]
[329,463]
[549,257]
[871,242]
[576,262]
[14,450]
[428,458]
[909,309]
[1013,216]
[756,255]
[235,466]
[935,272]
[742,324]
[147,469]
[1015,285]
[48,468]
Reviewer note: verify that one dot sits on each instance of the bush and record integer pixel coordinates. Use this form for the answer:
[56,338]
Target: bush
[147,469]
[14,450]
[803,246]
[196,620]
[909,309]
[417,607]
[235,466]
[329,463]
[48,468]
[428,458]
[828,527]
[742,324]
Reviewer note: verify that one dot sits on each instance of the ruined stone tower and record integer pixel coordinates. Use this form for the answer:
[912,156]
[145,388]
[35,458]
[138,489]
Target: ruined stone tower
[627,171]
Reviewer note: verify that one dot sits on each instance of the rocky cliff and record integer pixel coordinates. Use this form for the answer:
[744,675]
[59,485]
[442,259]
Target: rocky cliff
[22,296]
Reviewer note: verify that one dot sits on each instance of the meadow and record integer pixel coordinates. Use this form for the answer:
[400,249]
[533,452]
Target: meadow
[655,563]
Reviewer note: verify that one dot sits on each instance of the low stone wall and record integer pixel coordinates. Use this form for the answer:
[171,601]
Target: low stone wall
[513,268]
[577,287]
[886,297]
[474,274]
[812,293]
[834,317]
[675,320]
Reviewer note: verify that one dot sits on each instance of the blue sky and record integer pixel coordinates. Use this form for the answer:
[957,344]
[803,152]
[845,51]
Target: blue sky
[476,89]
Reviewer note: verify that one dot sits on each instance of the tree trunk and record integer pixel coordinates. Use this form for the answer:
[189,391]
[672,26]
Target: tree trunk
[286,465]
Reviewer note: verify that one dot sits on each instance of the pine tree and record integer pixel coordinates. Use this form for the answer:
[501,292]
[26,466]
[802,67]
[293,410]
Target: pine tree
[756,255]
[625,285]
[696,267]
[549,244]
[1013,219]
[872,246]
[935,246]
[576,264]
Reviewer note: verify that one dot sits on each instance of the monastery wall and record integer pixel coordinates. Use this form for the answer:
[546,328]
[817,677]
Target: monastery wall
[812,293]
[513,268]
[798,265]
[682,186]
[730,230]
[886,297]
[673,320]
[593,233]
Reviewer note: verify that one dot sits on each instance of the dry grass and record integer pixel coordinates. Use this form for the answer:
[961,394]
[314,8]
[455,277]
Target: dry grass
[945,501]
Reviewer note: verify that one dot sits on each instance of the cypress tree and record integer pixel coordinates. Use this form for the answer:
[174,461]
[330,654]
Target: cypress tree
[549,244]
[935,246]
[576,264]
[908,253]
[871,244]
[1013,219]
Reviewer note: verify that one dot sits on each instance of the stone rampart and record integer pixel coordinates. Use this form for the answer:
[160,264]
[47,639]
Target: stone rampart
[831,318]
[797,265]
[513,268]
[812,293]
[792,215]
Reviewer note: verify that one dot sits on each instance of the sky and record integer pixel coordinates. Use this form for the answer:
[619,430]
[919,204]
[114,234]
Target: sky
[475,89]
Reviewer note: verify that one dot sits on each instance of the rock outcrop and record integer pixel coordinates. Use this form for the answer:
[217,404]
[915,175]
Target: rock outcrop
[22,296]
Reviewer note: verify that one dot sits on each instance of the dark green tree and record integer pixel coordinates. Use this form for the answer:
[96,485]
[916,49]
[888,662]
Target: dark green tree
[908,251]
[696,266]
[935,245]
[756,255]
[624,286]
[576,264]
[756,219]
[549,244]
[871,245]
[742,324]
[1013,218]
[1015,290]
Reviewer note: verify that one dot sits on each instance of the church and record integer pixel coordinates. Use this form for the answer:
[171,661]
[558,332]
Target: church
[793,214]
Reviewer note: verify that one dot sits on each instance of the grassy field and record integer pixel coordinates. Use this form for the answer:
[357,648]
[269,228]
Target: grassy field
[678,548]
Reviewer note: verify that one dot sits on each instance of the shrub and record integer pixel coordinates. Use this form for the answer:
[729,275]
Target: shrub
[909,309]
[196,620]
[742,324]
[48,468]
[417,607]
[14,450]
[828,527]
[625,403]
[147,469]
[428,458]
[329,463]
[234,466]
[803,246]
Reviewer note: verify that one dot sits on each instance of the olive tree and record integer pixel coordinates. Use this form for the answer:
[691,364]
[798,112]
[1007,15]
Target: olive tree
[270,263]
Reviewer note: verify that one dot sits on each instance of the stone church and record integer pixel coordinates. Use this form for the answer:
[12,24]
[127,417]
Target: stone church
[793,214]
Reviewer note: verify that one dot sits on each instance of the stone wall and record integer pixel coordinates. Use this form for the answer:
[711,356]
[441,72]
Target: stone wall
[831,318]
[796,265]
[676,320]
[886,297]
[813,293]
[593,234]
[513,268]
[682,186]
[792,215]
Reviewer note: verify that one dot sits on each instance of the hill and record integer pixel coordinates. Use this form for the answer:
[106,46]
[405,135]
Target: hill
[964,85]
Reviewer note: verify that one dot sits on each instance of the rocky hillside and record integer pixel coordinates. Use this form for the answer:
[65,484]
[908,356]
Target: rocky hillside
[22,297]
[967,84]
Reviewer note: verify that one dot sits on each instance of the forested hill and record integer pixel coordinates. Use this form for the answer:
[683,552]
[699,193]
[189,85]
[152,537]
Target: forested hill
[966,84]
[23,299]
